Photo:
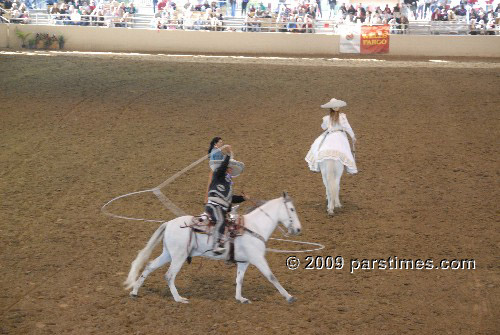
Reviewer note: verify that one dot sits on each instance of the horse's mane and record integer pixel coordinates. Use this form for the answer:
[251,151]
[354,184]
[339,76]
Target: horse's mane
[257,203]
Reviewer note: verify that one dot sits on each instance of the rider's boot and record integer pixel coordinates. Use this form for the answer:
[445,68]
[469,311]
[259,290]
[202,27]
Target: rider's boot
[219,248]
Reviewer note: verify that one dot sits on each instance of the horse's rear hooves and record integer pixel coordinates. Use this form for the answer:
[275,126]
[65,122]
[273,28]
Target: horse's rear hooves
[133,295]
[291,300]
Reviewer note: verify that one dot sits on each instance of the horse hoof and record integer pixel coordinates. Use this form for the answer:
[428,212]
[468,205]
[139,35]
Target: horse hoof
[183,300]
[291,300]
[133,295]
[245,301]
[330,213]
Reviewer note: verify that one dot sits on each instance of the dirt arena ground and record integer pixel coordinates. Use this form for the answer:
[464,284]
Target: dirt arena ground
[79,130]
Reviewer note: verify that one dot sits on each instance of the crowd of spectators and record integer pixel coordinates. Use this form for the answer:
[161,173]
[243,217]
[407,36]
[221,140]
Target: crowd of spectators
[15,11]
[74,12]
[77,12]
[288,16]
[200,16]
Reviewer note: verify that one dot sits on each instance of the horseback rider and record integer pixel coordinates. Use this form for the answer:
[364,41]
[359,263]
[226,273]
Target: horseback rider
[216,157]
[333,143]
[220,195]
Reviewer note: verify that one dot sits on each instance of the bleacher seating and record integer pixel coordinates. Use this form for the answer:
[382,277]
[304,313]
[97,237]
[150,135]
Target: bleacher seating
[144,21]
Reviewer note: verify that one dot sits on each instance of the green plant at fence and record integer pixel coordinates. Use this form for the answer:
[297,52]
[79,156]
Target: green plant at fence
[41,40]
[23,36]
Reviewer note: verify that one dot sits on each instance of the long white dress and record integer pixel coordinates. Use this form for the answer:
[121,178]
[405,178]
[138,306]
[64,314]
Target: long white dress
[333,144]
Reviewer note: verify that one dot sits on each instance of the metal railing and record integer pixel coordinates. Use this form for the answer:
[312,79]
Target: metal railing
[459,27]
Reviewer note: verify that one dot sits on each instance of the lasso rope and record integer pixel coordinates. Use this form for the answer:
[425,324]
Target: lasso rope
[179,212]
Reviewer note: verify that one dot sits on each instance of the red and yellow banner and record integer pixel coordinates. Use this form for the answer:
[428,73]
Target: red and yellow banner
[374,39]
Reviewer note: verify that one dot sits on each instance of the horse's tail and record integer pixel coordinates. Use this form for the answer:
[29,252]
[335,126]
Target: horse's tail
[143,256]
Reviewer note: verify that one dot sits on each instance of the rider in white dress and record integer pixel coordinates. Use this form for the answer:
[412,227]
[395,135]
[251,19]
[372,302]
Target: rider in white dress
[333,143]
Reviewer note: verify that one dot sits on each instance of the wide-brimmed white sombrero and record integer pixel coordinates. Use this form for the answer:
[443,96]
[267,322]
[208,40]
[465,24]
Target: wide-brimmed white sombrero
[236,166]
[334,103]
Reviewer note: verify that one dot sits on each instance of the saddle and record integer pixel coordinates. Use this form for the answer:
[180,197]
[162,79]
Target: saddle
[202,224]
[234,227]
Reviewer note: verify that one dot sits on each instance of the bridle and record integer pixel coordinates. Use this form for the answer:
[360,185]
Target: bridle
[286,199]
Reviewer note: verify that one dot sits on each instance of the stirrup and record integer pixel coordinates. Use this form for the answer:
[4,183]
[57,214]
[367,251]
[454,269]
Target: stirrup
[219,250]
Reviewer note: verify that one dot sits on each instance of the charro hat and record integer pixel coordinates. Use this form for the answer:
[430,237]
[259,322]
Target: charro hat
[334,103]
[236,166]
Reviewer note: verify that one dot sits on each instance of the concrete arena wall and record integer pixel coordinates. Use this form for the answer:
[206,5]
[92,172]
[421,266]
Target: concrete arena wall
[3,35]
[204,42]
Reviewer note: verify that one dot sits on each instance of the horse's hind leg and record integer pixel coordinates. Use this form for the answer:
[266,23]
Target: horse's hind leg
[158,262]
[242,267]
[339,170]
[175,267]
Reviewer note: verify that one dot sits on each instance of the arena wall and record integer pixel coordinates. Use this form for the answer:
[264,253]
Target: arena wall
[3,35]
[204,42]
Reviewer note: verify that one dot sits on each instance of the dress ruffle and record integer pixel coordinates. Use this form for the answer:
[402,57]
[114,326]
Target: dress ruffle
[336,147]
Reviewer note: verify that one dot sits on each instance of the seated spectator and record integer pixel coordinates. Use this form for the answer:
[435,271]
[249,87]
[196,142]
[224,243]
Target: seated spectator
[84,7]
[75,16]
[461,11]
[396,12]
[198,23]
[54,10]
[490,24]
[376,18]
[404,24]
[92,6]
[444,15]
[313,11]
[123,8]
[131,9]
[351,10]
[7,4]
[394,26]
[360,15]
[451,15]
[343,10]
[291,26]
[217,20]
[251,22]
[267,15]
[300,25]
[162,4]
[350,18]
[474,27]
[187,18]
[63,14]
[85,21]
[98,17]
[436,15]
[309,24]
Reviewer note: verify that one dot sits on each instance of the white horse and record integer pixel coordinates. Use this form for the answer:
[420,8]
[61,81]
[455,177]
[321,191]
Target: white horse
[180,243]
[331,171]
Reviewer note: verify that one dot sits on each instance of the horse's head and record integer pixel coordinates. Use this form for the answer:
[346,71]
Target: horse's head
[289,217]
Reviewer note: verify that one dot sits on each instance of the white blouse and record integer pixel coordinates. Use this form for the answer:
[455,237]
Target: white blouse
[343,125]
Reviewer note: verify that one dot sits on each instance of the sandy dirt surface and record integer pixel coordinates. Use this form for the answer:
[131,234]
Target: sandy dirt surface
[77,130]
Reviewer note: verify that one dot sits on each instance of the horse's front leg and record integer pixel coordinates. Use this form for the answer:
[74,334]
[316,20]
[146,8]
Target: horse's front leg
[242,267]
[261,264]
[325,173]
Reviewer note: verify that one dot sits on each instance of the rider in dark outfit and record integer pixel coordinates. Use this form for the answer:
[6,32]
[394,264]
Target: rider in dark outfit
[220,197]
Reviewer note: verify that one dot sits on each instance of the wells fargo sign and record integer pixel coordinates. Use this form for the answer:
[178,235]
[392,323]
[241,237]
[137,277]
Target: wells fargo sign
[374,39]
